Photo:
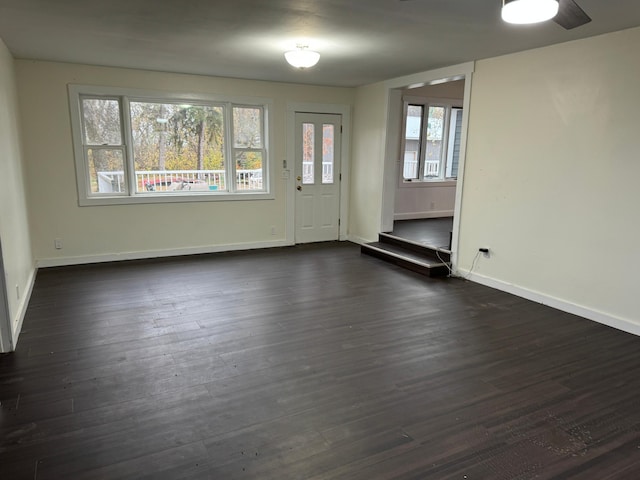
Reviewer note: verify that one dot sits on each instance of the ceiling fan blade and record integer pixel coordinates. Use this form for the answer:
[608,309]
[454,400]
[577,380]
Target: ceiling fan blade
[570,15]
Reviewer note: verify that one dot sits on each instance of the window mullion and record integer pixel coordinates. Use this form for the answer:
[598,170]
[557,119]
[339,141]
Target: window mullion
[127,135]
[422,159]
[445,143]
[230,158]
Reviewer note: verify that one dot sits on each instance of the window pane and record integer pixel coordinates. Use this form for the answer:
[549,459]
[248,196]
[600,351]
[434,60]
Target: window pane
[308,153]
[247,127]
[106,170]
[328,148]
[249,170]
[435,133]
[413,129]
[101,121]
[178,148]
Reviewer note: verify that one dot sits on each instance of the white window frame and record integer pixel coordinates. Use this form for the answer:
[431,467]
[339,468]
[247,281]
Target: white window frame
[127,95]
[448,139]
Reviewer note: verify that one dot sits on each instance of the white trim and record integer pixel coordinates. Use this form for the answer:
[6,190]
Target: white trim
[618,323]
[142,198]
[466,109]
[427,183]
[454,72]
[433,101]
[22,307]
[345,165]
[75,91]
[418,215]
[174,252]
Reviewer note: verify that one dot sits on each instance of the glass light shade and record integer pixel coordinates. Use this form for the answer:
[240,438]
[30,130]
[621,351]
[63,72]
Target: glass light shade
[302,58]
[528,11]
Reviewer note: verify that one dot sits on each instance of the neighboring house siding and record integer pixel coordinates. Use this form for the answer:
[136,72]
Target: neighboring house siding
[456,147]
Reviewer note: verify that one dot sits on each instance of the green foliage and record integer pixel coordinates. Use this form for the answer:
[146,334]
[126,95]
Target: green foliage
[177,137]
[169,136]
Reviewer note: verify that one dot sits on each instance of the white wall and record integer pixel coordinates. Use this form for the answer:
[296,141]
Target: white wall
[367,162]
[130,231]
[14,226]
[427,199]
[552,176]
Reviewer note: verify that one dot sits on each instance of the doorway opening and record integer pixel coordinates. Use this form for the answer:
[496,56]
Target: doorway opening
[429,160]
[428,178]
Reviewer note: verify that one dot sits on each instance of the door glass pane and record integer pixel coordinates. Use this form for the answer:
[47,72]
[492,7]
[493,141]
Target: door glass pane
[101,121]
[178,147]
[249,170]
[308,153]
[413,129]
[328,148]
[435,135]
[106,170]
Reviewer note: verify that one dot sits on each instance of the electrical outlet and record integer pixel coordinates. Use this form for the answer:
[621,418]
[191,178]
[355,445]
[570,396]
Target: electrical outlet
[432,206]
[57,243]
[486,252]
[18,291]
[273,230]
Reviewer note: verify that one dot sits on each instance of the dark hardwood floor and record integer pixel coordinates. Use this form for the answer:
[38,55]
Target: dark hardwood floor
[310,362]
[434,232]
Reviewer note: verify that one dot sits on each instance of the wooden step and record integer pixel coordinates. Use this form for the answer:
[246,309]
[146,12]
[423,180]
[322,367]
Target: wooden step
[423,262]
[437,253]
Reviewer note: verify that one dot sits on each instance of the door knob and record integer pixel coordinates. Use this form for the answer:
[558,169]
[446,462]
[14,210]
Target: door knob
[299,188]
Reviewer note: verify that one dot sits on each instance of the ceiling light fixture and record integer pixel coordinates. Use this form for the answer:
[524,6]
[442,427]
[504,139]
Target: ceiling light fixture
[528,11]
[301,57]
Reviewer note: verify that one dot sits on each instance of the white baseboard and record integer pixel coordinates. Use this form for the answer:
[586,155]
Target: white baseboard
[139,255]
[619,323]
[16,324]
[358,240]
[419,215]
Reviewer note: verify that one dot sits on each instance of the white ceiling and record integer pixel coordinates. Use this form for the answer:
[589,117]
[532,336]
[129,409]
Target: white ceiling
[361,41]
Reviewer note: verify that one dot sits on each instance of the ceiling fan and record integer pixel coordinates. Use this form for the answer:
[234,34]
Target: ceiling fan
[569,15]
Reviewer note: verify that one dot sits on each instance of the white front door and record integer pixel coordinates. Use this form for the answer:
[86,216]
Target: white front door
[317,177]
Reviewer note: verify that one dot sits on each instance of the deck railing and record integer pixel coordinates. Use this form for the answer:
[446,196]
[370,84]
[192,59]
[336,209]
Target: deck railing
[431,167]
[308,172]
[179,180]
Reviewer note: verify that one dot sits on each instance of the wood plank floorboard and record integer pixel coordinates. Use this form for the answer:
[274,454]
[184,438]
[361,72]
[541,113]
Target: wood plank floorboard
[309,362]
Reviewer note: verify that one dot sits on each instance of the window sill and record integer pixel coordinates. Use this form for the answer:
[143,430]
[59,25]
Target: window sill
[427,183]
[173,198]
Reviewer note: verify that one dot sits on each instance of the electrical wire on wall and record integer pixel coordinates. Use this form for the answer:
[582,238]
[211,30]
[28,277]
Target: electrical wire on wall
[473,265]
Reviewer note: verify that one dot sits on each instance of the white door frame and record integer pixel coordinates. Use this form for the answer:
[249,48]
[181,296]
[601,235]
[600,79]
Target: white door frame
[288,170]
[394,139]
[6,335]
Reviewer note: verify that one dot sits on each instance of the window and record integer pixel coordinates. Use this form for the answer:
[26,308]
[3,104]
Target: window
[133,146]
[308,153]
[432,132]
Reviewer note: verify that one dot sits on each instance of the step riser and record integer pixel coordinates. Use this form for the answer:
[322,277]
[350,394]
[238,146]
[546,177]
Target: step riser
[436,254]
[433,271]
